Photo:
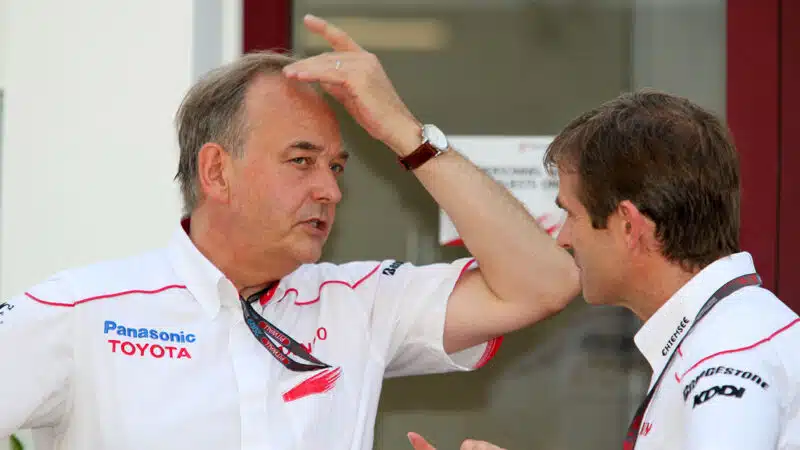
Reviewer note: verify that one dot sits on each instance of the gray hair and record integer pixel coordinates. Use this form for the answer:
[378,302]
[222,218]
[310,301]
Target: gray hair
[213,111]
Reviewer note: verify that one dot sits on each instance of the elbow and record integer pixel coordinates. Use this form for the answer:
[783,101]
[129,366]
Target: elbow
[562,287]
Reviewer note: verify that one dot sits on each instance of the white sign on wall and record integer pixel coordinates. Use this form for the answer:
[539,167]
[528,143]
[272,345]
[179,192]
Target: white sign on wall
[517,162]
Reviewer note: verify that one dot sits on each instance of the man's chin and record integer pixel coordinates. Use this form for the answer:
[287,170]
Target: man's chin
[596,298]
[309,255]
[592,298]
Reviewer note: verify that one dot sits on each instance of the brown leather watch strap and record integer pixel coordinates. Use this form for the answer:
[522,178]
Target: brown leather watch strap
[418,157]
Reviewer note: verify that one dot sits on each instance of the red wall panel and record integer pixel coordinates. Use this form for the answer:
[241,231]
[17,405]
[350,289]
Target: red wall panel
[753,116]
[789,210]
[267,25]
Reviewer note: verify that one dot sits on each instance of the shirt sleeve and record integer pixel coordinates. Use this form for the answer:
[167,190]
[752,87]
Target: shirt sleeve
[732,402]
[410,306]
[35,357]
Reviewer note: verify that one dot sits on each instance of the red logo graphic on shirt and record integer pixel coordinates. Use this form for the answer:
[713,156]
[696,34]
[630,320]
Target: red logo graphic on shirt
[321,335]
[646,427]
[317,384]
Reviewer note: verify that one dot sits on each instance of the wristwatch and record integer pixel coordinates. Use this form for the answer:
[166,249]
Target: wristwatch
[434,143]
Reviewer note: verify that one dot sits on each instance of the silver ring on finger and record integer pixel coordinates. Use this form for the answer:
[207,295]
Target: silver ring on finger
[338,64]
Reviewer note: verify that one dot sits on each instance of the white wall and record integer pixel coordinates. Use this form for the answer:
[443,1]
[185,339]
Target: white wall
[3,41]
[88,148]
[88,153]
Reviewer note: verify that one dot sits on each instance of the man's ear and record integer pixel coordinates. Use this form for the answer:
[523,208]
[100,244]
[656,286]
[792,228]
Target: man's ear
[636,228]
[213,172]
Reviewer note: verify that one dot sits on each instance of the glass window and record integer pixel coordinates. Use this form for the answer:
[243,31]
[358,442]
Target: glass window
[512,67]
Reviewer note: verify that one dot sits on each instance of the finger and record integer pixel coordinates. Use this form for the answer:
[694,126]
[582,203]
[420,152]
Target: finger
[470,444]
[324,68]
[336,37]
[419,442]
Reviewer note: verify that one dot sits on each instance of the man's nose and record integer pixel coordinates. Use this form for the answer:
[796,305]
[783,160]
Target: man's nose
[564,238]
[326,187]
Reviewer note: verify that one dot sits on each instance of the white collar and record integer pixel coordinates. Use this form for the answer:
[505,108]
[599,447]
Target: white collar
[660,334]
[207,284]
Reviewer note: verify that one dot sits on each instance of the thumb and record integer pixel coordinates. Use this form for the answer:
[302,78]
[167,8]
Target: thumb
[419,442]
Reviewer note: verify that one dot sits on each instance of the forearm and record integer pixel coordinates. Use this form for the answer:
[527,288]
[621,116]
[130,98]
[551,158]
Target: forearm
[519,261]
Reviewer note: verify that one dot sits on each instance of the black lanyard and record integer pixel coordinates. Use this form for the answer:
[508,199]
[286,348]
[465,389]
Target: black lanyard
[266,333]
[727,289]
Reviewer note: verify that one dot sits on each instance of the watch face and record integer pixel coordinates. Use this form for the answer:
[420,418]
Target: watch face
[435,137]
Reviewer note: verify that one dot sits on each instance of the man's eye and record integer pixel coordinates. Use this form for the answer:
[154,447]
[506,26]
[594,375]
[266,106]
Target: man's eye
[301,160]
[337,168]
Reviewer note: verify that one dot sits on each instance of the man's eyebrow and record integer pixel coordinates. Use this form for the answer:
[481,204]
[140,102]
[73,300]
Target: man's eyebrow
[306,145]
[310,146]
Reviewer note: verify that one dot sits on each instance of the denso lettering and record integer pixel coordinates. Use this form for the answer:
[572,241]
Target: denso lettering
[392,268]
[321,334]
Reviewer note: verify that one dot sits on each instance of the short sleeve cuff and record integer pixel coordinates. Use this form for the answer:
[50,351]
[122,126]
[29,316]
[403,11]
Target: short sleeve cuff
[430,356]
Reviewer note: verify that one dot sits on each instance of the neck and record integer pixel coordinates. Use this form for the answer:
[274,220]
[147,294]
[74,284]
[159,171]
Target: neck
[659,281]
[234,257]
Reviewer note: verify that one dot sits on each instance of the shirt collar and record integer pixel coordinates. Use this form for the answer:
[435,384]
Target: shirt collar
[207,284]
[661,333]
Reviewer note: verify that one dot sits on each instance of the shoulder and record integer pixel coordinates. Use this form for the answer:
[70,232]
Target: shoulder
[144,273]
[751,330]
[351,273]
[357,273]
[307,283]
[746,320]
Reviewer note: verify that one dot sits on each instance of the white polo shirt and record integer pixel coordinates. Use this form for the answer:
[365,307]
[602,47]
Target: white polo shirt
[734,382]
[152,352]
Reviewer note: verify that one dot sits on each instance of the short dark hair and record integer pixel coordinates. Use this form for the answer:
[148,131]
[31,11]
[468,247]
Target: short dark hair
[671,158]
